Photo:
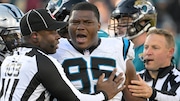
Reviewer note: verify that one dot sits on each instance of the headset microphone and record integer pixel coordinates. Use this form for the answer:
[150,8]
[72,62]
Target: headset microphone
[145,61]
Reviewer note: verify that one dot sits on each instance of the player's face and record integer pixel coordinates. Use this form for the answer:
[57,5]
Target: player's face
[83,27]
[10,37]
[123,23]
[156,52]
[48,41]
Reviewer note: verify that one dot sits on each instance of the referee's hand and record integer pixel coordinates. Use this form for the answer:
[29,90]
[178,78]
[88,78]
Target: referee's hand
[140,88]
[111,85]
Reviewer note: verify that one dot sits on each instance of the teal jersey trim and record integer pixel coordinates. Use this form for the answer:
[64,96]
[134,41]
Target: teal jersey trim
[102,33]
[125,47]
[138,62]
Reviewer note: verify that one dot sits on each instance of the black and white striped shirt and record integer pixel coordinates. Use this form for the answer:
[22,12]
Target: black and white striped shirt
[32,75]
[167,85]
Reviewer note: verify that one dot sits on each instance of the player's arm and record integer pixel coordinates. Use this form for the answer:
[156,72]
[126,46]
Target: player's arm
[130,75]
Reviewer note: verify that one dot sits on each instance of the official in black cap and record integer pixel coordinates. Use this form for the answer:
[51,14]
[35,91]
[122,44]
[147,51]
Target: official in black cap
[40,29]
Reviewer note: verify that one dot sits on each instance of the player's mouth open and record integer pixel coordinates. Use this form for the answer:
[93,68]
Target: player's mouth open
[80,38]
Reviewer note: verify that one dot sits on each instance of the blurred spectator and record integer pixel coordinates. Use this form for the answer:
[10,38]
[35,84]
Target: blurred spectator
[26,5]
[105,7]
[20,3]
[170,25]
[32,4]
[161,7]
[104,14]
[168,9]
[5,1]
[173,10]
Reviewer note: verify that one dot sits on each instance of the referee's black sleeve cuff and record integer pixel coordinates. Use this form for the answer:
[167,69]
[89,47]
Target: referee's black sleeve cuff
[153,94]
[105,94]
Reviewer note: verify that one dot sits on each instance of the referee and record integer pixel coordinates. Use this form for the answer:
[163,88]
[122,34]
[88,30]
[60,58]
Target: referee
[161,80]
[31,75]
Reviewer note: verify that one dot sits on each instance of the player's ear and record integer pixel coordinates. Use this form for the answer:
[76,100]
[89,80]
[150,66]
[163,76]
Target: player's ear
[99,26]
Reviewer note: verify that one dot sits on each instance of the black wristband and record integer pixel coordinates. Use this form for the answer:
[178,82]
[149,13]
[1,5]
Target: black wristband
[154,93]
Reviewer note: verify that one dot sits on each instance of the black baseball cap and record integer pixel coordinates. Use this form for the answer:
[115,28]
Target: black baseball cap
[37,20]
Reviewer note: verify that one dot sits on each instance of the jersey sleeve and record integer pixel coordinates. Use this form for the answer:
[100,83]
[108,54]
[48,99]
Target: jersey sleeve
[165,96]
[130,52]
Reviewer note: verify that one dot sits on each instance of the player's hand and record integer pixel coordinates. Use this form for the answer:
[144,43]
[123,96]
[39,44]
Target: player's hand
[111,85]
[139,88]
